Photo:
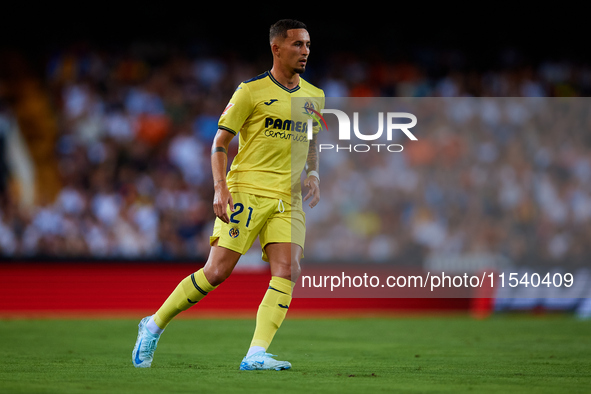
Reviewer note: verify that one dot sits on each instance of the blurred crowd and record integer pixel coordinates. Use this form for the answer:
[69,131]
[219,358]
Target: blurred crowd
[136,126]
[503,178]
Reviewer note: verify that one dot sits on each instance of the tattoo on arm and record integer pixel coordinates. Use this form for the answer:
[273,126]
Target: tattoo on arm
[219,149]
[312,160]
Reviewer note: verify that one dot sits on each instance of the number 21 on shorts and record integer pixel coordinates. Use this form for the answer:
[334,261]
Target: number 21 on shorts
[238,209]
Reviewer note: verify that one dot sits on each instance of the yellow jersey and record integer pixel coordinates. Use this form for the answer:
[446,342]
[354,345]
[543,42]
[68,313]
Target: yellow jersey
[273,139]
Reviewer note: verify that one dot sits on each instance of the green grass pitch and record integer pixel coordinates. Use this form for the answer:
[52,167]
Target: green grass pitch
[547,354]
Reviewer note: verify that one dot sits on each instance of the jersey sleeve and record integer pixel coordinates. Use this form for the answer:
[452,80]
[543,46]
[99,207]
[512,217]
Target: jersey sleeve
[237,111]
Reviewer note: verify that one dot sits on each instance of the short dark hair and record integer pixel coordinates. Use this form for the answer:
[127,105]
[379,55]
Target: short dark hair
[281,27]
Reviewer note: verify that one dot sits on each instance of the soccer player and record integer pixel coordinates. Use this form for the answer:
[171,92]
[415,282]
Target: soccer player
[260,195]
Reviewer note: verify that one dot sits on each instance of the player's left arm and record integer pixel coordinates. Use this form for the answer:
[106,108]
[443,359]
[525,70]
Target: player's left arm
[312,181]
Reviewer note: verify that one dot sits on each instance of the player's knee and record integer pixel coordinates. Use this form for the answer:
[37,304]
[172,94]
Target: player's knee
[296,271]
[216,275]
[287,270]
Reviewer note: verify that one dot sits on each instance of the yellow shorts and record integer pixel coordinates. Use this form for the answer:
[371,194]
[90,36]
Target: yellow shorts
[270,219]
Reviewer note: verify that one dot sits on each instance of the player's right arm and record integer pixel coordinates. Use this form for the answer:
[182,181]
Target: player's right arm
[219,163]
[237,111]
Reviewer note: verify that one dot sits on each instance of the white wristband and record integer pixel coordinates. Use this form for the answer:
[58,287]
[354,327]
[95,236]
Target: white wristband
[315,173]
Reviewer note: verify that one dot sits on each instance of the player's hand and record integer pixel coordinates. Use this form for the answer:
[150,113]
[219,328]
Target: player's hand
[314,190]
[221,199]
